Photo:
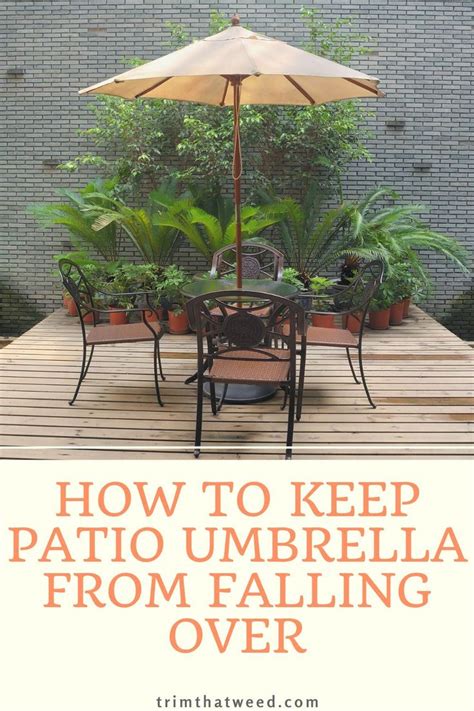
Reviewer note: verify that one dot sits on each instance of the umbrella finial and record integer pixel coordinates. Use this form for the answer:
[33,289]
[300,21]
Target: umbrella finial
[235,20]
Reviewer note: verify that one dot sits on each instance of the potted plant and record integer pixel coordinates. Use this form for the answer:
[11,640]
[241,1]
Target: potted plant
[407,279]
[144,278]
[115,303]
[320,287]
[379,309]
[290,276]
[171,289]
[117,315]
[69,304]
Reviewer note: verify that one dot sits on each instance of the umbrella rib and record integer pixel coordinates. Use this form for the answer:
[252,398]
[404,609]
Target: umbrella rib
[221,103]
[364,86]
[300,89]
[150,88]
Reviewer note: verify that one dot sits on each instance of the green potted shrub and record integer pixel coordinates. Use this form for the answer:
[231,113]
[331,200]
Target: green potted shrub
[379,309]
[290,275]
[171,289]
[397,283]
[320,287]
[115,285]
[145,277]
[407,279]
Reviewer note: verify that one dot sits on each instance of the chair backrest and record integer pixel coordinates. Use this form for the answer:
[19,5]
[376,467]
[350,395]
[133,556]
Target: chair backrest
[75,282]
[355,299]
[259,261]
[358,295]
[227,321]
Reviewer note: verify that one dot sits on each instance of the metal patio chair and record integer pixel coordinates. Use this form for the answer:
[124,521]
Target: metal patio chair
[352,300]
[259,261]
[86,296]
[234,347]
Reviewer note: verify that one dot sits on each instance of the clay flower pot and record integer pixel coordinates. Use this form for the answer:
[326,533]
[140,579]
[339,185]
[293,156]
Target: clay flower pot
[70,305]
[117,317]
[396,314]
[379,320]
[323,320]
[178,323]
[88,318]
[406,307]
[352,323]
[151,315]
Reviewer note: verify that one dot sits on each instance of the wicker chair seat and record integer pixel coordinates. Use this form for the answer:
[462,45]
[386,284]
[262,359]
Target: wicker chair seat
[259,368]
[317,336]
[128,333]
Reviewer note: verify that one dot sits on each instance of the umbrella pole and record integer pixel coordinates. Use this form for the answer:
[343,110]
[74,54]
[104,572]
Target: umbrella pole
[236,173]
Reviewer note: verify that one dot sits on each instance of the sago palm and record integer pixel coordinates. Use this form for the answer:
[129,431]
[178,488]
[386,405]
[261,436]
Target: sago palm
[207,233]
[397,233]
[311,241]
[76,216]
[155,241]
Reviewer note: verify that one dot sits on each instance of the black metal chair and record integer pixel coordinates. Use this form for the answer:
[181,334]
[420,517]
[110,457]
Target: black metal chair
[348,301]
[259,261]
[86,296]
[234,347]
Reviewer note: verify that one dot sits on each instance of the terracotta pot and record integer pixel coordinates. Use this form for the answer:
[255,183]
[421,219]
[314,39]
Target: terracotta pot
[178,323]
[88,318]
[66,297]
[396,314]
[323,320]
[352,323]
[151,315]
[379,320]
[117,317]
[406,307]
[71,305]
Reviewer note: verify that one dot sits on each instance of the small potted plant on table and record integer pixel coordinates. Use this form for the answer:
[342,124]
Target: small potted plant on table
[320,287]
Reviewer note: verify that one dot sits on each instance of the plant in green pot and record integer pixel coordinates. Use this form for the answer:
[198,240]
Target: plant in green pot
[172,288]
[322,301]
[379,309]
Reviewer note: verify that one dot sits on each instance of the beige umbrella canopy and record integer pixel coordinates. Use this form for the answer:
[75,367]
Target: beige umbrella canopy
[238,66]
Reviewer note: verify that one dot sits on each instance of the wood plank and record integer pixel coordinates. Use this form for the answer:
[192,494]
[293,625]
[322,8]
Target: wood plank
[419,374]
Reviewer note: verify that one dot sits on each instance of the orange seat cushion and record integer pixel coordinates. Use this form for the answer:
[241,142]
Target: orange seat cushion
[316,336]
[246,366]
[128,333]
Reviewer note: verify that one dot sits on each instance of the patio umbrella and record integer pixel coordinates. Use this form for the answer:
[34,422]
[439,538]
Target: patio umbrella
[234,67]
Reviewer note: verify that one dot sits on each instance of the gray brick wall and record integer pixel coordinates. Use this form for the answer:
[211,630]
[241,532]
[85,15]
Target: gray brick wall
[424,57]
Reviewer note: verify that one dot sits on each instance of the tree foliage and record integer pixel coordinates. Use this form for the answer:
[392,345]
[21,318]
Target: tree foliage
[146,140]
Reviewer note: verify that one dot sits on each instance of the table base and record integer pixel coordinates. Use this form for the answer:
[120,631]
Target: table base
[239,394]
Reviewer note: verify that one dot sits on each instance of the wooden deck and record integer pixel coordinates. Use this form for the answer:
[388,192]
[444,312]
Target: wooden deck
[419,373]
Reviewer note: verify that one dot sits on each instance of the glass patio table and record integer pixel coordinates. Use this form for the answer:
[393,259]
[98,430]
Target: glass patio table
[239,394]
